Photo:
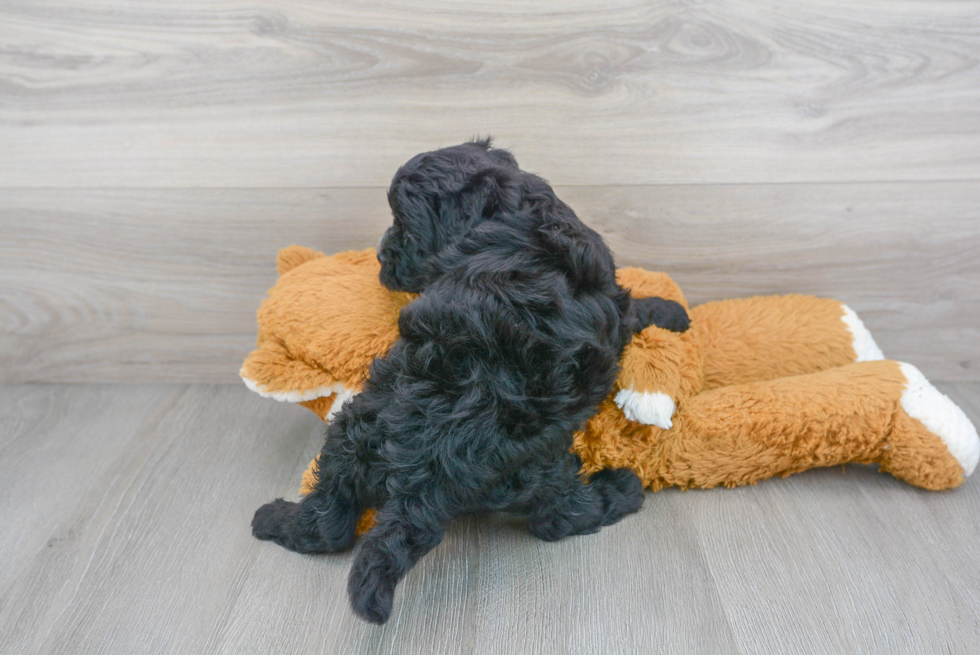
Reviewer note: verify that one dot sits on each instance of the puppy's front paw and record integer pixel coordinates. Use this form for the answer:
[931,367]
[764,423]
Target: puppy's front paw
[269,519]
[621,491]
[371,587]
[558,526]
[663,313]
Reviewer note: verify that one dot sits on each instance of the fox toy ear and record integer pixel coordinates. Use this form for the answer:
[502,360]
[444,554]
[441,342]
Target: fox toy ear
[272,372]
[292,256]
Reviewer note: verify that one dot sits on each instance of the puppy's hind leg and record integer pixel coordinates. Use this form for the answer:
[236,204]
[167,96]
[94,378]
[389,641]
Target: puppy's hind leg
[406,530]
[326,519]
[582,507]
[320,523]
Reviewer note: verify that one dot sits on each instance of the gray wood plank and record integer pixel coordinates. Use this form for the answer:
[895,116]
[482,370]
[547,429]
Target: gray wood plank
[491,588]
[158,555]
[846,561]
[154,285]
[162,285]
[833,562]
[159,544]
[284,94]
[54,446]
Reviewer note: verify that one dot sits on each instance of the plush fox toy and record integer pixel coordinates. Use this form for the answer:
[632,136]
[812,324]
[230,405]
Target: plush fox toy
[756,388]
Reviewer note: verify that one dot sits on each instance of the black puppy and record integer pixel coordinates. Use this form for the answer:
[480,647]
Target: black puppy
[513,342]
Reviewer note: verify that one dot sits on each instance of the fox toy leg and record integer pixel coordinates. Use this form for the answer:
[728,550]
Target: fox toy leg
[884,412]
[734,342]
[913,453]
[764,338]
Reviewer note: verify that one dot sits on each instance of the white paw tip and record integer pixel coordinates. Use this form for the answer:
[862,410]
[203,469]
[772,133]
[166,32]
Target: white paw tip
[864,344]
[941,416]
[647,407]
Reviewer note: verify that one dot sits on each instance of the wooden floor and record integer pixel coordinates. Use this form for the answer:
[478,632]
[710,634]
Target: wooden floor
[125,514]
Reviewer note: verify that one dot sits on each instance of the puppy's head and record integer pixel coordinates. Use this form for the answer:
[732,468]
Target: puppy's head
[437,197]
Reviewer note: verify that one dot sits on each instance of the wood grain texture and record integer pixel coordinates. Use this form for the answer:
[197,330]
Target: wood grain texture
[126,512]
[54,446]
[329,93]
[155,154]
[162,285]
[147,555]
[882,566]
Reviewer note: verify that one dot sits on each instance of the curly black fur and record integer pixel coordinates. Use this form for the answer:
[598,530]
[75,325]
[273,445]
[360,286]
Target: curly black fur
[511,345]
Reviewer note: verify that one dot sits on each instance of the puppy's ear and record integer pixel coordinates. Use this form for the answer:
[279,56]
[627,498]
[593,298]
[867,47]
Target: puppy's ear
[484,195]
[420,218]
[442,216]
[579,250]
[410,203]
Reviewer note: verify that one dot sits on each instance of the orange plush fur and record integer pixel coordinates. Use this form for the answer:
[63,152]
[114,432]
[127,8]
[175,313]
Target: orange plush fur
[756,388]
